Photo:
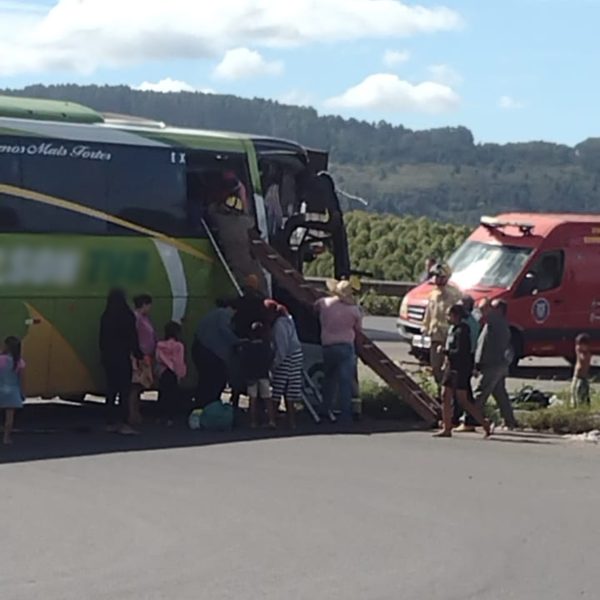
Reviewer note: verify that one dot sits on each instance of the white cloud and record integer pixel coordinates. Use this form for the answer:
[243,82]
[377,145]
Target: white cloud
[510,103]
[165,85]
[241,63]
[385,91]
[393,58]
[445,74]
[296,98]
[85,35]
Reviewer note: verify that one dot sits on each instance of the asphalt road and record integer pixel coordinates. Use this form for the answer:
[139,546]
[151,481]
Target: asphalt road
[377,517]
[548,374]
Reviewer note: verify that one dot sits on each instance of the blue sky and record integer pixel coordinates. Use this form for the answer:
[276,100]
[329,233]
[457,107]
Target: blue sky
[510,70]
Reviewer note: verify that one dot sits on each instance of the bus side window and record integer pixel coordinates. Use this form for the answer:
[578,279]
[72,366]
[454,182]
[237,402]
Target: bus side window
[146,190]
[545,275]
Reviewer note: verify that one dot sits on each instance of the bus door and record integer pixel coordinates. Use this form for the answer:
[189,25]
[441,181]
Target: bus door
[220,194]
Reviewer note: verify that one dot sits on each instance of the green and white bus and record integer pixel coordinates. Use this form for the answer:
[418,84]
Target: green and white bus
[91,201]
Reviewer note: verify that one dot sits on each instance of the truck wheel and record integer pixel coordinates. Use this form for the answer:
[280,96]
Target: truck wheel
[516,348]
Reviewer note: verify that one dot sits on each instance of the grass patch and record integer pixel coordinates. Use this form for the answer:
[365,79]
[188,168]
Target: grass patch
[381,402]
[560,419]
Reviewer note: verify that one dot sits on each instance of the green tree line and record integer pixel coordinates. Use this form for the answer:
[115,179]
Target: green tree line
[394,248]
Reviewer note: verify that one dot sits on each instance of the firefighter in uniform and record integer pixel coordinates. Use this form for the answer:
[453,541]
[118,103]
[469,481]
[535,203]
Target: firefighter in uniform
[435,323]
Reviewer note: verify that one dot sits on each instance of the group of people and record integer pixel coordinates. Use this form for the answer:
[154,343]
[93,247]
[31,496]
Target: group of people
[463,346]
[252,344]
[249,343]
[134,359]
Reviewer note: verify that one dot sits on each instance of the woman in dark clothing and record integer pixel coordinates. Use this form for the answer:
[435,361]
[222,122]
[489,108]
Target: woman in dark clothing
[458,371]
[118,344]
[249,309]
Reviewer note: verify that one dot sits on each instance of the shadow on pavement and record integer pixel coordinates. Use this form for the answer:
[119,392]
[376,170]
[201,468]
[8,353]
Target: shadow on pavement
[51,431]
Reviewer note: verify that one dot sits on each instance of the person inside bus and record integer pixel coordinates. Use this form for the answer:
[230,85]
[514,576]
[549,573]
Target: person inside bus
[274,212]
[118,343]
[230,220]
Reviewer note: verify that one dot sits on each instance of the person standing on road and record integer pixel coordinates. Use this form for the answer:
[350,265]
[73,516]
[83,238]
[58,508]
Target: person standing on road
[212,349]
[11,394]
[469,423]
[171,368]
[249,309]
[142,378]
[341,320]
[256,357]
[457,373]
[118,345]
[580,388]
[288,360]
[492,359]
[435,324]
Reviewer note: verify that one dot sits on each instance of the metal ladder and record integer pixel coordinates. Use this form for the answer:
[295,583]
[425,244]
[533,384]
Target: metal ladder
[291,280]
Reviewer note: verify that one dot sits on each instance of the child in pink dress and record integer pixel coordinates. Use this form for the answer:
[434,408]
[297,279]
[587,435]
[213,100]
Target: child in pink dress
[171,368]
[11,396]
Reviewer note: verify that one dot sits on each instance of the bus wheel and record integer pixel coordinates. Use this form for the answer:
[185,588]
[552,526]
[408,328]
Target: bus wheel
[516,351]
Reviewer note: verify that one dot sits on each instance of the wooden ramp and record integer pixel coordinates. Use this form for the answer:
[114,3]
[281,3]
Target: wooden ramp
[400,381]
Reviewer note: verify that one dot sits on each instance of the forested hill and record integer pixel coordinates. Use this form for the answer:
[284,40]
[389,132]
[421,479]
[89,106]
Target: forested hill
[439,173]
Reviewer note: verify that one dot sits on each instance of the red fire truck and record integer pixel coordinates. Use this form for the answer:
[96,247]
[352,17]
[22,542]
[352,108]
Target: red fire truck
[546,267]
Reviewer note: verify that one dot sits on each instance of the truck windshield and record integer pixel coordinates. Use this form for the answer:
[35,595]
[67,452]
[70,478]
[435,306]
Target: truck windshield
[478,264]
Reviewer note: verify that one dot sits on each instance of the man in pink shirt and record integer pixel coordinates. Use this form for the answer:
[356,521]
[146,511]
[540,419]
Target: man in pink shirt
[340,320]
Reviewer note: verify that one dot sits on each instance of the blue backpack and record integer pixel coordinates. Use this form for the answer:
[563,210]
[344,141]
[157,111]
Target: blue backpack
[217,416]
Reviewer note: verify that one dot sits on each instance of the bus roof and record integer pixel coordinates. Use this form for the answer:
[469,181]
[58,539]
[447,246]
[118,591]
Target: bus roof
[68,120]
[47,110]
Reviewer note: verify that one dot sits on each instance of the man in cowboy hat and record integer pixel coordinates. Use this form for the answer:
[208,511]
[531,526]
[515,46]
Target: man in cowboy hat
[341,320]
[435,323]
